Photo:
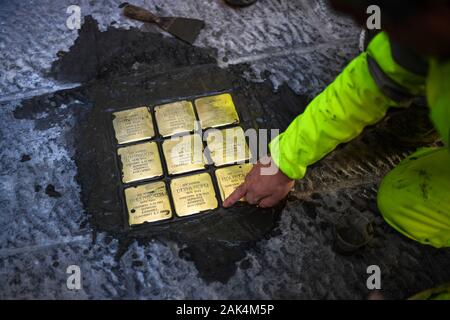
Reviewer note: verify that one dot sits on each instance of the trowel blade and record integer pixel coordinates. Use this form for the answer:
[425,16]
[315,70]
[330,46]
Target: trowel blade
[185,29]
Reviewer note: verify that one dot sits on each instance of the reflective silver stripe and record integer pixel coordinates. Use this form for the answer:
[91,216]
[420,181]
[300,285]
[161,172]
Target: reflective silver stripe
[388,86]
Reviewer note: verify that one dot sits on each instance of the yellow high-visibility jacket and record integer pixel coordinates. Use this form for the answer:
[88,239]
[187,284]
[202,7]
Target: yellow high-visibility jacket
[384,76]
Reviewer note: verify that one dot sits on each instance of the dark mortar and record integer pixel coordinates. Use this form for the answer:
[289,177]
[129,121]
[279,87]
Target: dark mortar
[129,68]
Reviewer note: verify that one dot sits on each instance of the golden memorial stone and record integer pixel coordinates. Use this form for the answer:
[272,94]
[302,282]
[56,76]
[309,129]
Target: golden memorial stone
[148,203]
[216,111]
[193,194]
[229,178]
[184,154]
[140,162]
[174,118]
[228,146]
[133,125]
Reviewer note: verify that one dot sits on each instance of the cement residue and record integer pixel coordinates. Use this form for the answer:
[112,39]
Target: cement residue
[126,68]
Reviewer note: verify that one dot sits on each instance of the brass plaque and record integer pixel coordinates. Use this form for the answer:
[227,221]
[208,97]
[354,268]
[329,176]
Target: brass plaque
[148,203]
[227,146]
[140,161]
[193,194]
[173,118]
[133,125]
[184,154]
[216,111]
[229,178]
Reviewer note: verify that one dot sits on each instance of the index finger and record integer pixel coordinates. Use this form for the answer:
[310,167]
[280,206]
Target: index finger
[235,195]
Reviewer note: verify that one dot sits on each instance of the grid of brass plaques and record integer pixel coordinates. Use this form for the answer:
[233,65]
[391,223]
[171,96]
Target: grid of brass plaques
[133,125]
[216,111]
[229,178]
[182,154]
[228,146]
[174,118]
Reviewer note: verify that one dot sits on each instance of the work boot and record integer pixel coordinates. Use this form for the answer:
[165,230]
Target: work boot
[240,3]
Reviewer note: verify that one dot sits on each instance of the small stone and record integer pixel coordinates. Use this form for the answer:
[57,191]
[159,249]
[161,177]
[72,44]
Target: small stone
[51,191]
[25,158]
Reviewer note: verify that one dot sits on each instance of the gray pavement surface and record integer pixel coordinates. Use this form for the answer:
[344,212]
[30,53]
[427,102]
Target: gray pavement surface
[42,231]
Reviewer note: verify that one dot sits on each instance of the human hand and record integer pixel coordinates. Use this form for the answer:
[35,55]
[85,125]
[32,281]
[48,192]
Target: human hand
[265,190]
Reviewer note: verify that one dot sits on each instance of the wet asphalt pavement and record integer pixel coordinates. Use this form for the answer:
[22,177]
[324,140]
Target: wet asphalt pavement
[274,57]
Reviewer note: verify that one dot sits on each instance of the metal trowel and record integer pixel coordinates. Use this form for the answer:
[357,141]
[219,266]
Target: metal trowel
[185,29]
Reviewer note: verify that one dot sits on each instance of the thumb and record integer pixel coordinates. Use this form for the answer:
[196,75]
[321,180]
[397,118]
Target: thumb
[235,196]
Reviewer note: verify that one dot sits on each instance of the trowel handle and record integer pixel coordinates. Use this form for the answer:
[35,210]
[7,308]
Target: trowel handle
[137,13]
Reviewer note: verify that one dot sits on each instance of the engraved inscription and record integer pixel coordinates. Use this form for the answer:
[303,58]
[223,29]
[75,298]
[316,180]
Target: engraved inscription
[193,194]
[228,146]
[140,162]
[148,203]
[216,111]
[184,154]
[133,125]
[174,118]
[229,178]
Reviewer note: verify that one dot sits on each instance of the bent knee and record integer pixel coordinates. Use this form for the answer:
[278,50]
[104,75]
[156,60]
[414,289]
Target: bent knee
[402,204]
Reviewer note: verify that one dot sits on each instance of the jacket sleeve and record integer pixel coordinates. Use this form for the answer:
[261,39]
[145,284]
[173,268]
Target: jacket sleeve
[359,96]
